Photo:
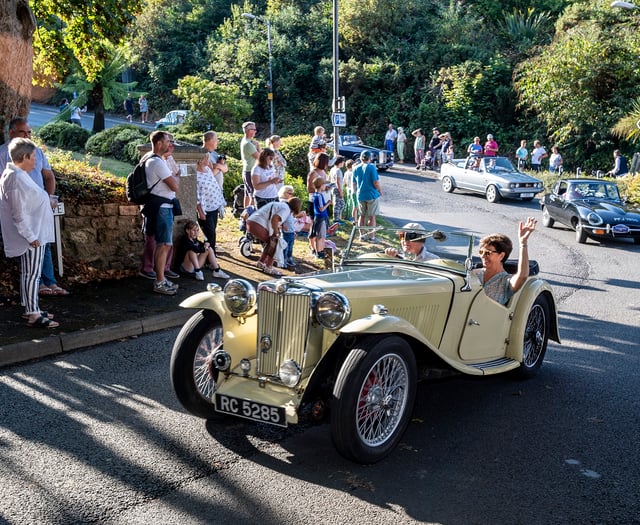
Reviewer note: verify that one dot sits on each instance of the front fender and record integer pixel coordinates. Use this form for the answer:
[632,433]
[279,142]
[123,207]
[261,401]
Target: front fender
[384,324]
[239,332]
[206,301]
[528,295]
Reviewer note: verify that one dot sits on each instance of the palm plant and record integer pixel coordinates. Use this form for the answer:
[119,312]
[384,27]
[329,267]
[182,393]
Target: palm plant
[103,91]
[525,29]
[628,127]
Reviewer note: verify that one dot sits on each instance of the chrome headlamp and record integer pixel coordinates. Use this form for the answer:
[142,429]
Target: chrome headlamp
[594,219]
[290,373]
[239,296]
[332,310]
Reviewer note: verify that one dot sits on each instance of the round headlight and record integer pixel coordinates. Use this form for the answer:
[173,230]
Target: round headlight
[332,310]
[290,373]
[239,296]
[594,219]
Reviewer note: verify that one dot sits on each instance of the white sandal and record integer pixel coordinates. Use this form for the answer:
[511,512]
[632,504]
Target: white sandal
[273,271]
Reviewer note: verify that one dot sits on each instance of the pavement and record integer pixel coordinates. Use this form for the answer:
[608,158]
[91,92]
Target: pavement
[113,309]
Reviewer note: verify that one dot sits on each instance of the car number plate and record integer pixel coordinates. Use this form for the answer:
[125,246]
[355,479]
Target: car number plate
[251,410]
[527,195]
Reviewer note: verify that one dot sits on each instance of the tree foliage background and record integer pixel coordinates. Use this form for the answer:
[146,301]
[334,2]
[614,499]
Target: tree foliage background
[562,71]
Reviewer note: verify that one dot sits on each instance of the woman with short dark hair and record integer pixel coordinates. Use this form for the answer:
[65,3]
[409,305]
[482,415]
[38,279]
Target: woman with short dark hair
[494,251]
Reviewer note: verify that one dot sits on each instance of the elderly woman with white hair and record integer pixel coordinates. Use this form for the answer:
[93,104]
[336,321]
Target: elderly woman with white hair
[26,218]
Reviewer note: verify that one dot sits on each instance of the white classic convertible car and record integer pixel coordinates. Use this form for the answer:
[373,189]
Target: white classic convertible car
[494,177]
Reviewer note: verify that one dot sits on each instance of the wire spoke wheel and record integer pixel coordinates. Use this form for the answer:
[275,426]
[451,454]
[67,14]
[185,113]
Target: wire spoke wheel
[383,398]
[373,398]
[536,336]
[193,374]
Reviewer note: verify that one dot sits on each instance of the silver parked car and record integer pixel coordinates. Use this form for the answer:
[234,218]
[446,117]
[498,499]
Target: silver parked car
[173,118]
[494,177]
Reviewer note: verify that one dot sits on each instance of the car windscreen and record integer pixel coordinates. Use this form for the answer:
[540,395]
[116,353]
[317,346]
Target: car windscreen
[498,164]
[350,139]
[407,244]
[595,190]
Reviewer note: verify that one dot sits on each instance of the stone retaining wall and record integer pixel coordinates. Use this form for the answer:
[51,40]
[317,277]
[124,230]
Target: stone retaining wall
[107,236]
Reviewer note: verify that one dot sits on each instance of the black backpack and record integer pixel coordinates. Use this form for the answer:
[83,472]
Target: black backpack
[137,190]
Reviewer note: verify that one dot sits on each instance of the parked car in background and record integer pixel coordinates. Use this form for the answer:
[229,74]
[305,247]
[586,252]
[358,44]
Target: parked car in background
[349,345]
[173,118]
[494,177]
[350,146]
[591,207]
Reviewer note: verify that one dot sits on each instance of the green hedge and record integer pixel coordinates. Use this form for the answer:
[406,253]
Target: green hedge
[296,151]
[64,135]
[119,142]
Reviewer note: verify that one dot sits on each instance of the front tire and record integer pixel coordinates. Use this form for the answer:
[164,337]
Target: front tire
[193,376]
[536,336]
[373,398]
[581,234]
[547,220]
[447,184]
[492,194]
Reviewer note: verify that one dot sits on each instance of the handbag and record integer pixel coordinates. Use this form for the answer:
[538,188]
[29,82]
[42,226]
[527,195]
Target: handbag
[278,255]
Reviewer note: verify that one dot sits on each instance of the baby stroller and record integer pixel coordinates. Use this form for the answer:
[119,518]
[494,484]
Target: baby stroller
[427,162]
[239,193]
[246,241]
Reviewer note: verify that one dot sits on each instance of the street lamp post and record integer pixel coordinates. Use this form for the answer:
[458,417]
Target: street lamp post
[270,85]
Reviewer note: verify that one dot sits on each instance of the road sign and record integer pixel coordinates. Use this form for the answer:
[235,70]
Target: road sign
[339,120]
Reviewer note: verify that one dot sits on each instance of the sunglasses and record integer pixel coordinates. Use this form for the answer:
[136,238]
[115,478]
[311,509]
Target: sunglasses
[486,252]
[410,236]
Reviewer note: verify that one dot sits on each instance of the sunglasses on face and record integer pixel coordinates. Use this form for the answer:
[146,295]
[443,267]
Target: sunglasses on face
[484,251]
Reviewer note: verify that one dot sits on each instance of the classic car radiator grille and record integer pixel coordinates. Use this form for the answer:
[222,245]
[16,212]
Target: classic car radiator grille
[284,319]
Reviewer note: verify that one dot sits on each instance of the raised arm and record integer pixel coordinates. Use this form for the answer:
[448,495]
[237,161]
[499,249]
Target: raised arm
[524,232]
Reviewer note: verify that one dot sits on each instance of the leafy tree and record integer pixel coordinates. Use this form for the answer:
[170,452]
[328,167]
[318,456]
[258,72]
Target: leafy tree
[583,82]
[212,105]
[168,43]
[80,29]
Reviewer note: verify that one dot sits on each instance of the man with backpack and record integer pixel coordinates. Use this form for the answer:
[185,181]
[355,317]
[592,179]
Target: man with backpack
[159,208]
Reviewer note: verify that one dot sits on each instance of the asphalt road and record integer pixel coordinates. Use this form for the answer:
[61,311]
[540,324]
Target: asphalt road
[41,114]
[98,437]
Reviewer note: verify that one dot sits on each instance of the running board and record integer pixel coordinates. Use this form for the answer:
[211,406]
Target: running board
[496,366]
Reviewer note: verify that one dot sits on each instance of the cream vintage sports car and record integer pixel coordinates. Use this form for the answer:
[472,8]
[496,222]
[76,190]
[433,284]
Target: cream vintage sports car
[349,344]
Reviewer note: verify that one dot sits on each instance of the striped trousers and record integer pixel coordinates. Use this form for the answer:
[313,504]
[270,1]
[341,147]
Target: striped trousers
[30,270]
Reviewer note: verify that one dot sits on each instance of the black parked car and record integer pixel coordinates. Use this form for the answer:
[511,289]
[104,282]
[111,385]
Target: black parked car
[351,146]
[593,208]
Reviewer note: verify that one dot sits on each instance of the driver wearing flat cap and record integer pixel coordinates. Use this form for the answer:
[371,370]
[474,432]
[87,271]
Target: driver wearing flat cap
[412,240]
